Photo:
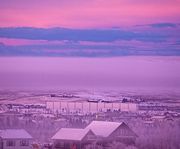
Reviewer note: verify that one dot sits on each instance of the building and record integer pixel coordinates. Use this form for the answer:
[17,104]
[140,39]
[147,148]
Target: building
[70,138]
[15,139]
[89,107]
[97,133]
[112,131]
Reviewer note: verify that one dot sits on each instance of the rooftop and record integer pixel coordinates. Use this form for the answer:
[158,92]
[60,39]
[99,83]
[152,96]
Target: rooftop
[103,128]
[15,134]
[70,134]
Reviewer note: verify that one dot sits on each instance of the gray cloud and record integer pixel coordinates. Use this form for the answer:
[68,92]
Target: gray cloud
[163,25]
[94,35]
[78,50]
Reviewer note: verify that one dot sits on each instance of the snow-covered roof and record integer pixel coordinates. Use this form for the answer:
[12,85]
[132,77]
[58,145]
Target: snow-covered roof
[15,134]
[103,128]
[70,134]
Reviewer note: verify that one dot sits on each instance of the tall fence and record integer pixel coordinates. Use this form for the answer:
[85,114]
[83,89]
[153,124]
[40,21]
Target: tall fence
[89,107]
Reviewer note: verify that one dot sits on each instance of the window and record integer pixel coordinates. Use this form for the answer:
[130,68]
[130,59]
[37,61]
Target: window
[10,143]
[90,137]
[24,143]
[122,132]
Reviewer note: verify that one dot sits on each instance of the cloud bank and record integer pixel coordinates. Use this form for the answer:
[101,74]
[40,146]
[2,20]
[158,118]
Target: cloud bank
[161,39]
[95,35]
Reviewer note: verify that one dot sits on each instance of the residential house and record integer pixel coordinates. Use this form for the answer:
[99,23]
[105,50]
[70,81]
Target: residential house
[112,131]
[15,139]
[70,138]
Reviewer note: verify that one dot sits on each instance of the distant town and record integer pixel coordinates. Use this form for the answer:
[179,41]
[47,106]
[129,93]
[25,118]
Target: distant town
[88,120]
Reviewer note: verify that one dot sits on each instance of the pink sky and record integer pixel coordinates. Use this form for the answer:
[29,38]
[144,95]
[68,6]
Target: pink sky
[89,28]
[129,26]
[87,14]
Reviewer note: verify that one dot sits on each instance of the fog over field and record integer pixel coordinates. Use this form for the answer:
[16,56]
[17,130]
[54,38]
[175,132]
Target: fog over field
[155,73]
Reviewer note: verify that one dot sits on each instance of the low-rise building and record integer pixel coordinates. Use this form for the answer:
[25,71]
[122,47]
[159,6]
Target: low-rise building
[112,131]
[70,138]
[15,139]
[97,133]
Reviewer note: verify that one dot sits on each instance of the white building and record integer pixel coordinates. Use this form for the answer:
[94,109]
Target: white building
[15,139]
[89,107]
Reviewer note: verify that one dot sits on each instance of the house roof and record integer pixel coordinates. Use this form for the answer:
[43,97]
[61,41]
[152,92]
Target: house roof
[15,134]
[70,134]
[103,128]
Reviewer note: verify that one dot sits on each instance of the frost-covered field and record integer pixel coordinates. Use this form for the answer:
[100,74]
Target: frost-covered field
[41,97]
